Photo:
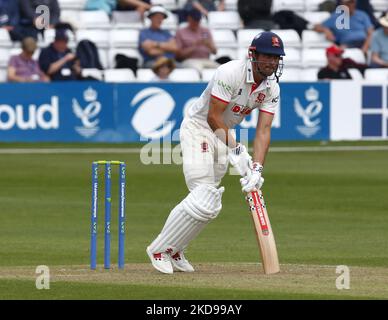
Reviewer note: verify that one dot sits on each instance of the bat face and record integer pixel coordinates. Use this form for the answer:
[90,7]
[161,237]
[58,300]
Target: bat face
[263,231]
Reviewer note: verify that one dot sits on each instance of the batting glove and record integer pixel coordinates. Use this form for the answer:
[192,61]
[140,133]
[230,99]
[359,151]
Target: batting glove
[253,180]
[240,159]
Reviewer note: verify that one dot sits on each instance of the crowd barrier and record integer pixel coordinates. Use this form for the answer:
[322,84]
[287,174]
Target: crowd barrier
[133,112]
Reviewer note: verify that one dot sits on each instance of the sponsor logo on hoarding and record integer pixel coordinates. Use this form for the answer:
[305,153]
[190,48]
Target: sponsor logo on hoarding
[309,114]
[154,108]
[88,114]
[374,111]
[45,116]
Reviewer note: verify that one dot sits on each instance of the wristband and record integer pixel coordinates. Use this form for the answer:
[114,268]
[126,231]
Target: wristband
[257,167]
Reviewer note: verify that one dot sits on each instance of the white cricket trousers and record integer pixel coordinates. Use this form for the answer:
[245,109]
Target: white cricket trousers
[205,159]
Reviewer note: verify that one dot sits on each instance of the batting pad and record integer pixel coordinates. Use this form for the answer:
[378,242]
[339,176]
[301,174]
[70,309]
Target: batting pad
[188,219]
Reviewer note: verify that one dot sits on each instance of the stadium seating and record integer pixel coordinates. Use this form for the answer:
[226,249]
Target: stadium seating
[95,73]
[168,4]
[119,34]
[313,58]
[4,56]
[94,19]
[355,74]
[224,20]
[72,4]
[245,36]
[144,75]
[294,5]
[309,74]
[124,38]
[207,74]
[292,58]
[379,5]
[312,39]
[355,54]
[225,52]
[290,74]
[5,40]
[185,75]
[3,75]
[99,37]
[316,17]
[224,38]
[290,38]
[127,19]
[376,75]
[119,75]
[230,5]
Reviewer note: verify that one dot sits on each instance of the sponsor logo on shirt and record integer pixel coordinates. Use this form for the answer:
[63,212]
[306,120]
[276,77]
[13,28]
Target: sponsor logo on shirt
[260,98]
[238,110]
[222,84]
[204,147]
[275,42]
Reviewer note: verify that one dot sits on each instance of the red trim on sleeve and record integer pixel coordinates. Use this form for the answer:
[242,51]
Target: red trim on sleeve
[265,111]
[227,102]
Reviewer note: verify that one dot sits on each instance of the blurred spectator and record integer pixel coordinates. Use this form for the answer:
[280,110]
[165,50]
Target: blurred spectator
[327,5]
[141,6]
[57,60]
[204,6]
[337,66]
[359,33]
[29,17]
[154,41]
[287,19]
[105,5]
[195,44]
[256,14]
[22,67]
[379,44]
[9,18]
[162,68]
[366,6]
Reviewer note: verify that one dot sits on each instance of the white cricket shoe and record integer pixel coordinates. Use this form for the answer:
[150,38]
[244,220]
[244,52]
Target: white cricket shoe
[179,261]
[160,261]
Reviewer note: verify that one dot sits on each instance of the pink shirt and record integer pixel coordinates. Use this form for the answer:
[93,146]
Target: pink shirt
[186,38]
[26,68]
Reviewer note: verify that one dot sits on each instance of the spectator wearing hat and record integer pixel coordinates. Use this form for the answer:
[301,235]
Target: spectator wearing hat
[337,66]
[57,60]
[155,42]
[379,45]
[195,44]
[359,33]
[22,67]
[162,68]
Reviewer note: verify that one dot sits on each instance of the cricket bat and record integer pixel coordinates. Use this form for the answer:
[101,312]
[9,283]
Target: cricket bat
[263,231]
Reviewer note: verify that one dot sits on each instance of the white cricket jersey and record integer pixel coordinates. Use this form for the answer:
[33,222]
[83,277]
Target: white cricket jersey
[233,83]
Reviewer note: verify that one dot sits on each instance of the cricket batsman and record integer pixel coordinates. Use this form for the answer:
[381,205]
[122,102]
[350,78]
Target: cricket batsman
[208,145]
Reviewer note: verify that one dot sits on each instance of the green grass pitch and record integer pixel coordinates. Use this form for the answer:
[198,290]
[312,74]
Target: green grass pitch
[326,209]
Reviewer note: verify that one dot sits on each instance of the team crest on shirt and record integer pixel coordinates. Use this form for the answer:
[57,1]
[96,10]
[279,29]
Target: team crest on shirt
[204,147]
[275,42]
[260,98]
